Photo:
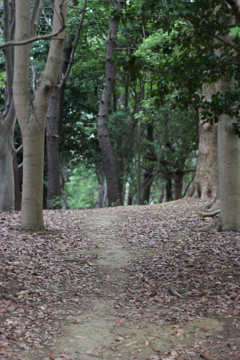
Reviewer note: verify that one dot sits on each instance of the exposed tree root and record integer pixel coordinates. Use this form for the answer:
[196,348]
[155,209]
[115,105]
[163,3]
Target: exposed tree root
[215,205]
[211,213]
[214,226]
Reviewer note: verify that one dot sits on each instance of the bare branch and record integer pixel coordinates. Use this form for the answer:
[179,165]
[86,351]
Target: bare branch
[63,80]
[40,37]
[19,149]
[33,39]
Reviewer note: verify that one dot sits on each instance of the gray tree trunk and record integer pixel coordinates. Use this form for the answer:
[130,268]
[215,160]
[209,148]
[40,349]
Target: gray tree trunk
[108,158]
[7,119]
[7,198]
[228,158]
[54,113]
[228,167]
[54,118]
[31,114]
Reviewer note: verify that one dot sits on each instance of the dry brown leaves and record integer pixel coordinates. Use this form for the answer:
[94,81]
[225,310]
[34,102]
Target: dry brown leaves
[42,274]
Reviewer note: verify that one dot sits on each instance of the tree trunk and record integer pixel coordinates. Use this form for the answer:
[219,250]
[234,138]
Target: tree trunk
[54,192]
[7,119]
[7,199]
[167,195]
[33,160]
[102,193]
[17,188]
[149,166]
[108,158]
[228,156]
[228,167]
[54,118]
[32,114]
[205,182]
[178,184]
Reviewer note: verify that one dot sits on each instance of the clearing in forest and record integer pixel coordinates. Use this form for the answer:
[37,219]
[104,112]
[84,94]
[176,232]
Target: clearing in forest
[125,283]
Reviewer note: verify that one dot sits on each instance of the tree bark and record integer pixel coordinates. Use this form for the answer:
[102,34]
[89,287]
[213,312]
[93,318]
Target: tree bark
[7,119]
[148,174]
[108,158]
[7,198]
[205,182]
[31,114]
[54,118]
[228,167]
[178,184]
[102,193]
[54,115]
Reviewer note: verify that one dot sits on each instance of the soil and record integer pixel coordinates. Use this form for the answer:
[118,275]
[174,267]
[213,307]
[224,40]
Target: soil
[108,295]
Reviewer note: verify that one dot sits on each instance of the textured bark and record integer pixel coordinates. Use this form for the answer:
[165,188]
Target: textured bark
[228,158]
[228,167]
[205,182]
[7,199]
[102,191]
[54,118]
[32,114]
[108,158]
[54,113]
[7,119]
[178,184]
[148,174]
[17,190]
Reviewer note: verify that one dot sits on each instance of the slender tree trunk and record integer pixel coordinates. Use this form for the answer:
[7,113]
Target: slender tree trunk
[7,119]
[138,165]
[148,175]
[32,114]
[54,118]
[7,199]
[17,190]
[205,182]
[178,183]
[108,158]
[167,196]
[102,192]
[54,192]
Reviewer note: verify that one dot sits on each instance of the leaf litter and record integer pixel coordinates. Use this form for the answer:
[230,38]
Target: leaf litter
[160,288]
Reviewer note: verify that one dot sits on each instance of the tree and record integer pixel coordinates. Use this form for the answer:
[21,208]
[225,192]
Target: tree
[228,153]
[54,117]
[7,121]
[108,159]
[204,185]
[31,113]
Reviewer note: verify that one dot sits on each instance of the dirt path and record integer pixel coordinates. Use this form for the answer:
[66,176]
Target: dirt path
[107,323]
[106,330]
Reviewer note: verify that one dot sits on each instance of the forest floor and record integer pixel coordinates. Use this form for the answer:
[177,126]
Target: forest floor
[100,284]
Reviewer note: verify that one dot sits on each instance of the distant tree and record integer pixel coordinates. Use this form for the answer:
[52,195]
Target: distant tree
[108,159]
[55,115]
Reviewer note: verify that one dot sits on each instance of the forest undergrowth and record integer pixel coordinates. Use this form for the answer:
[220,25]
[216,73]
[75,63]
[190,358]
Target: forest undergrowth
[170,291]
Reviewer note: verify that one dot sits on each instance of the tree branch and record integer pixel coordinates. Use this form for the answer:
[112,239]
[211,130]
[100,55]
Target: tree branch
[36,38]
[64,77]
[213,35]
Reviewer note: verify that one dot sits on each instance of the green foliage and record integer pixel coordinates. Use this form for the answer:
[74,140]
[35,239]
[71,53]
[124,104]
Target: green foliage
[82,188]
[55,203]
